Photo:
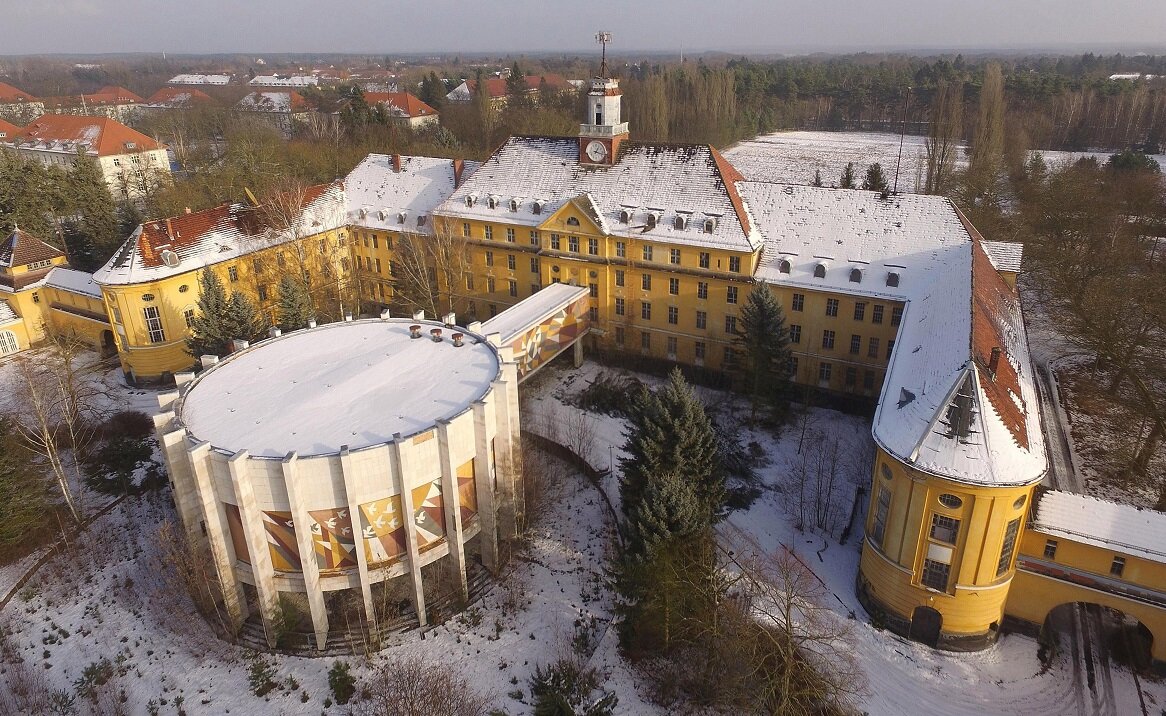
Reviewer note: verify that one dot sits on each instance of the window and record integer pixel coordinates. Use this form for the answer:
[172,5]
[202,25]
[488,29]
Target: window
[490,284]
[510,261]
[154,324]
[877,314]
[674,256]
[951,501]
[188,316]
[513,288]
[783,266]
[832,307]
[489,258]
[855,344]
[673,316]
[593,314]
[593,247]
[493,309]
[509,235]
[646,282]
[645,341]
[896,315]
[1050,549]
[1117,566]
[735,264]
[824,371]
[257,265]
[698,347]
[701,320]
[619,335]
[868,380]
[671,346]
[573,244]
[704,259]
[262,291]
[469,282]
[798,303]
[534,238]
[851,377]
[621,249]
[944,528]
[36,297]
[1009,546]
[646,310]
[374,241]
[702,290]
[872,348]
[674,286]
[556,242]
[828,339]
[534,264]
[792,366]
[935,574]
[730,357]
[619,277]
[593,289]
[488,231]
[731,325]
[795,334]
[647,253]
[619,307]
[535,288]
[233,273]
[859,310]
[882,509]
[280,260]
[731,294]
[890,348]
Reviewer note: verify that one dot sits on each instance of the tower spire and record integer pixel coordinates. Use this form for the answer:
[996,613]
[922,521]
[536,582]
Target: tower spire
[603,38]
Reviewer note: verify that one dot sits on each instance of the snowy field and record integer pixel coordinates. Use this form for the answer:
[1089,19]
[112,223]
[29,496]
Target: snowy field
[792,157]
[112,599]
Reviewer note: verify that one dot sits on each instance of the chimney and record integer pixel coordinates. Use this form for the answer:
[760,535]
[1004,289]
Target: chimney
[397,163]
[457,340]
[458,166]
[239,344]
[188,211]
[169,230]
[414,331]
[348,318]
[994,362]
[436,335]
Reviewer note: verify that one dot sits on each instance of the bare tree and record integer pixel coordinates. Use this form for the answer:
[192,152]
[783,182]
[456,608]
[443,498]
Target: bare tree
[431,269]
[943,136]
[413,686]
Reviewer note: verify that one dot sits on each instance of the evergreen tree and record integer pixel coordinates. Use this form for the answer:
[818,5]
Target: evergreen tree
[295,305]
[847,180]
[875,179]
[243,319]
[433,91]
[210,333]
[24,489]
[817,178]
[91,203]
[764,340]
[668,508]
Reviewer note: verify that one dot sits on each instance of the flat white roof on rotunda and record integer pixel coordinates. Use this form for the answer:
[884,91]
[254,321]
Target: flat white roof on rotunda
[342,384]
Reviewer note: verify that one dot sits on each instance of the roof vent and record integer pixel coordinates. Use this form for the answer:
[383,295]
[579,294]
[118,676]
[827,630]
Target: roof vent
[893,278]
[856,275]
[170,258]
[820,270]
[414,331]
[435,334]
[905,397]
[783,266]
[457,340]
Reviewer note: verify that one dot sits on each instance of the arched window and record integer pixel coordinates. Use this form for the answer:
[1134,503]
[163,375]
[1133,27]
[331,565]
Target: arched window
[820,271]
[470,199]
[783,266]
[856,275]
[680,223]
[625,216]
[492,202]
[893,278]
[709,225]
[514,204]
[572,221]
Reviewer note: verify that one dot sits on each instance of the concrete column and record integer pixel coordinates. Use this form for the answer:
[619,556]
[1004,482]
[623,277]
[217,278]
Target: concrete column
[484,486]
[451,501]
[351,496]
[261,568]
[217,530]
[578,347]
[507,456]
[302,521]
[182,485]
[404,472]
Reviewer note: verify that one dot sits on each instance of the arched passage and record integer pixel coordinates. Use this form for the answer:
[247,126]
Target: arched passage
[1098,634]
[926,624]
[108,345]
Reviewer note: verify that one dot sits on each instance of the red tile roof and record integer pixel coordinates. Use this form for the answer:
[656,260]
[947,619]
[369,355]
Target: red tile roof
[114,95]
[21,248]
[496,86]
[11,95]
[179,96]
[729,177]
[105,136]
[409,105]
[7,129]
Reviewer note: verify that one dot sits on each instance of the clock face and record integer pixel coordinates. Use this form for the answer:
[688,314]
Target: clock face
[596,151]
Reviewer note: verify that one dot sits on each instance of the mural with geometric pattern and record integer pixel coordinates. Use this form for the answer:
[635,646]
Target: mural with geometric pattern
[547,339]
[428,515]
[332,538]
[467,491]
[238,537]
[281,541]
[383,530]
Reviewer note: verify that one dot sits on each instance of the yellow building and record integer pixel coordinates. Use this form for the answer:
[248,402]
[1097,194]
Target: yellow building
[150,287]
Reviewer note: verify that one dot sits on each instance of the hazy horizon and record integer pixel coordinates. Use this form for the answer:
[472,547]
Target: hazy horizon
[530,27]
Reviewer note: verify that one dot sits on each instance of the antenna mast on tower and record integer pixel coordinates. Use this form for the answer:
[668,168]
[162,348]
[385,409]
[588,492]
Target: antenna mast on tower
[603,38]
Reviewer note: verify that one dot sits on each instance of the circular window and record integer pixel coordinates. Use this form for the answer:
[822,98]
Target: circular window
[1019,502]
[593,274]
[554,269]
[183,288]
[949,500]
[886,471]
[147,297]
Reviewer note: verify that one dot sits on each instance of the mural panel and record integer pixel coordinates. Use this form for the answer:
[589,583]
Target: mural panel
[383,530]
[333,540]
[428,515]
[467,491]
[238,538]
[281,541]
[543,342]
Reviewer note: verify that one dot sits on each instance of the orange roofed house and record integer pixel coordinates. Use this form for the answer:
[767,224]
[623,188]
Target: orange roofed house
[131,163]
[496,89]
[117,103]
[18,106]
[403,108]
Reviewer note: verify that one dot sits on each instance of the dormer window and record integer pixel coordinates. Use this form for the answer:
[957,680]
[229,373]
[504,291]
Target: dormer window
[492,202]
[856,275]
[401,216]
[893,278]
[514,204]
[538,206]
[363,213]
[382,214]
[653,219]
[680,223]
[625,216]
[421,220]
[709,225]
[820,270]
[471,199]
[783,266]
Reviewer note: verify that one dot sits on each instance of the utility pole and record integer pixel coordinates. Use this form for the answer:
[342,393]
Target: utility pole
[902,136]
[603,38]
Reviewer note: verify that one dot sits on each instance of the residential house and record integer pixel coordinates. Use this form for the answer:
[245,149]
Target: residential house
[403,108]
[495,88]
[282,110]
[19,106]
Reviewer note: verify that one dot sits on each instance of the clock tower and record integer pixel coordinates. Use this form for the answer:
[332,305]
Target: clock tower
[599,139]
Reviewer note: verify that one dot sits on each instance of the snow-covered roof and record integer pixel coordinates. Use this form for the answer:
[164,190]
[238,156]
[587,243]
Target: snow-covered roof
[532,311]
[1122,528]
[1004,255]
[178,98]
[200,80]
[278,102]
[353,384]
[7,315]
[73,281]
[168,247]
[667,181]
[284,81]
[942,410]
[100,136]
[382,188]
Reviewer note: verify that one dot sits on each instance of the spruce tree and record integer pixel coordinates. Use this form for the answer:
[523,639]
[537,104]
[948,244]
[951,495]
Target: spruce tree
[209,332]
[90,201]
[875,179]
[668,509]
[295,305]
[24,488]
[847,179]
[243,320]
[764,340]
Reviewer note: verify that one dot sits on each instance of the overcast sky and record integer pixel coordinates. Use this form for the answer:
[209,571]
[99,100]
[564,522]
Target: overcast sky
[513,26]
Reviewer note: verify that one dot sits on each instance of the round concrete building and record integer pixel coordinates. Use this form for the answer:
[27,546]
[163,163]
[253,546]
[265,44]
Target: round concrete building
[347,473]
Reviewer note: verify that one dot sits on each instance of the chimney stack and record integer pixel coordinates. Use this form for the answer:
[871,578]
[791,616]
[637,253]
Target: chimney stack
[385,315]
[348,318]
[238,344]
[994,362]
[275,332]
[188,211]
[459,166]
[449,319]
[209,360]
[312,323]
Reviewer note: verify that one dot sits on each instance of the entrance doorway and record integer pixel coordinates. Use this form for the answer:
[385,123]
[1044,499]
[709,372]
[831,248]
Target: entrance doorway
[925,626]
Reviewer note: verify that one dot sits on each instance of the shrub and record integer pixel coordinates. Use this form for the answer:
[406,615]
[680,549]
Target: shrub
[260,675]
[341,681]
[565,688]
[111,468]
[129,424]
[96,674]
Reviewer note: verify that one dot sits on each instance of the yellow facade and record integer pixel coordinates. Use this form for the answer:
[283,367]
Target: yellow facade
[42,309]
[933,543]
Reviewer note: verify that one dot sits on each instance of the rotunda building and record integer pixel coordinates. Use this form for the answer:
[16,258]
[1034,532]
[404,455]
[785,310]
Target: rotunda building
[348,472]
